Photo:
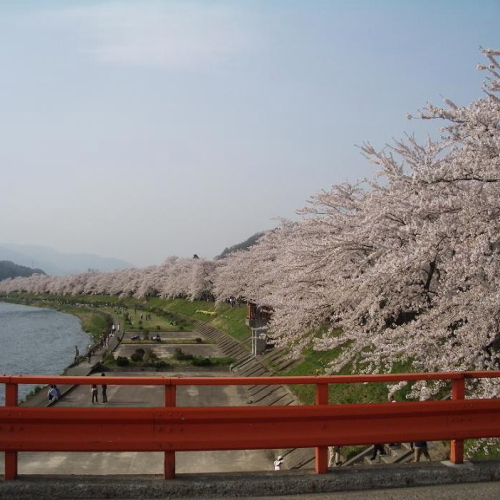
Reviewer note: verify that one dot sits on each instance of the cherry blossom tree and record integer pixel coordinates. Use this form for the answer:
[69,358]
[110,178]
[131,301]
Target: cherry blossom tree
[406,264]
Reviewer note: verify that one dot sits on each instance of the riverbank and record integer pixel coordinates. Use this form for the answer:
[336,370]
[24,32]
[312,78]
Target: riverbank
[93,322]
[83,368]
[37,341]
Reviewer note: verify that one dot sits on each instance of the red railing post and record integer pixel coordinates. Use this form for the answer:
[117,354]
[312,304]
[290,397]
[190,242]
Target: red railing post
[10,456]
[457,445]
[321,452]
[169,456]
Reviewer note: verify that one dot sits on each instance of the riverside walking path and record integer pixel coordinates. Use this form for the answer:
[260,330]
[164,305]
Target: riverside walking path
[227,474]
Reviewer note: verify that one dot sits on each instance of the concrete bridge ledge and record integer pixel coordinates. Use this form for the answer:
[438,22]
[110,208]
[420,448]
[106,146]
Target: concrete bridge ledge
[466,465]
[235,484]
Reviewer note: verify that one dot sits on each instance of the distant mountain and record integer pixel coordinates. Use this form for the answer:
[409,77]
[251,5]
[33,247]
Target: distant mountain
[56,263]
[10,270]
[244,245]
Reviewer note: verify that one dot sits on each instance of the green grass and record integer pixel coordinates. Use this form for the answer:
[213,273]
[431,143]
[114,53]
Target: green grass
[231,320]
[158,322]
[315,363]
[93,322]
[187,308]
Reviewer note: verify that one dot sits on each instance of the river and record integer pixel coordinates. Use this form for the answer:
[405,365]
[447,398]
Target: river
[37,341]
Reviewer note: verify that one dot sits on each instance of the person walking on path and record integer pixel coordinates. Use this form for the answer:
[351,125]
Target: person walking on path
[392,400]
[278,462]
[77,355]
[377,448]
[104,390]
[335,458]
[53,393]
[93,392]
[421,449]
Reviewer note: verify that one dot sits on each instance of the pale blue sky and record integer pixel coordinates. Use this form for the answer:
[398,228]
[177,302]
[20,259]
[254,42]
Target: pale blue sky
[145,129]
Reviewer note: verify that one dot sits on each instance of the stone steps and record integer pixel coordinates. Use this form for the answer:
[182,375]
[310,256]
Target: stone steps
[229,346]
[400,453]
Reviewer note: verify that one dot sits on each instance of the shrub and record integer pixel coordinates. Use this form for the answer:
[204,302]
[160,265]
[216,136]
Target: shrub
[222,361]
[200,361]
[122,361]
[138,355]
[159,364]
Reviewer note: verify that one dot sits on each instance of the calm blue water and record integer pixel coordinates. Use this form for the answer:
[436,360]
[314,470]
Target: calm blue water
[36,341]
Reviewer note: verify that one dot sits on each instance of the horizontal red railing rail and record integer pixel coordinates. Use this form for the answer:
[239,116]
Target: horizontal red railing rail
[333,379]
[170,429]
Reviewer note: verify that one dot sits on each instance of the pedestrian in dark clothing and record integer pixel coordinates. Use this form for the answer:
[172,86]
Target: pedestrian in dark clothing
[380,448]
[392,400]
[104,390]
[93,392]
[421,449]
[53,393]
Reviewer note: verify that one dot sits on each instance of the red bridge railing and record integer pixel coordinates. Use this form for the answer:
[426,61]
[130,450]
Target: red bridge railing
[170,428]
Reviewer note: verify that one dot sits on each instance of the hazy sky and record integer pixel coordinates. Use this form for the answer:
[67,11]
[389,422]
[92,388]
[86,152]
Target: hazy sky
[146,129]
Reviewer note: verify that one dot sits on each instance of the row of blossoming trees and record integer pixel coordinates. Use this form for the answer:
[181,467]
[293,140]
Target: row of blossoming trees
[406,264]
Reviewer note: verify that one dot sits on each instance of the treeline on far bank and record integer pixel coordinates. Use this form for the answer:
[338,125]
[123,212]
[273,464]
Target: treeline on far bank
[10,270]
